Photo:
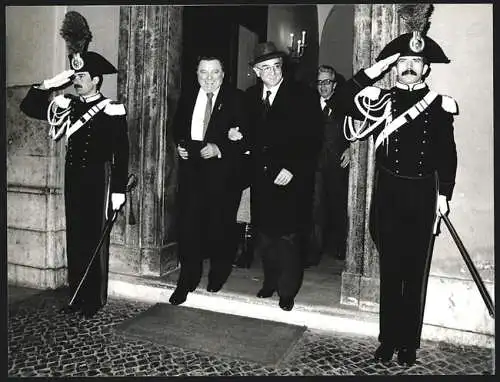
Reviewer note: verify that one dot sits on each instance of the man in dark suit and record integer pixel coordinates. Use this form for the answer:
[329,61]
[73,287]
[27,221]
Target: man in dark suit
[285,123]
[415,169]
[210,132]
[332,175]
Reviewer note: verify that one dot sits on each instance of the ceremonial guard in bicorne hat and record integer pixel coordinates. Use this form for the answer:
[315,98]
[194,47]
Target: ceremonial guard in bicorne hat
[97,150]
[416,162]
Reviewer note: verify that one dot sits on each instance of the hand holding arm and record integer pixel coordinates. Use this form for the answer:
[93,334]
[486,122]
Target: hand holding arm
[283,178]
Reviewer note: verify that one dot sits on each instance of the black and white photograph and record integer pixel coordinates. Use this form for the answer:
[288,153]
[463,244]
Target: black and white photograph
[268,189]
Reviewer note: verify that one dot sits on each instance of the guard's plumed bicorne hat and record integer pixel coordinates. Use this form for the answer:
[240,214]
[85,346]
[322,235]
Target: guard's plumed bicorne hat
[76,33]
[414,44]
[91,62]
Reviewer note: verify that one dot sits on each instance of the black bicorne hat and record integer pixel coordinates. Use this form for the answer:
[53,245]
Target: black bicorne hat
[91,62]
[414,44]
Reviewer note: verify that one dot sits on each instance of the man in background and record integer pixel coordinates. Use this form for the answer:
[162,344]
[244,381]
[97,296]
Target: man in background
[329,231]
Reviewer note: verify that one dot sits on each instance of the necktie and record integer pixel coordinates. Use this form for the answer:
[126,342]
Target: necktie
[326,110]
[267,103]
[208,112]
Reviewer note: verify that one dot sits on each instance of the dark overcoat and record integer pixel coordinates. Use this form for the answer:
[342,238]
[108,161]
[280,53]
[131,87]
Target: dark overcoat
[288,136]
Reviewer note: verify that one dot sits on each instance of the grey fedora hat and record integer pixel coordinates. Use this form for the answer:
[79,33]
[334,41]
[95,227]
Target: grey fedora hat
[265,51]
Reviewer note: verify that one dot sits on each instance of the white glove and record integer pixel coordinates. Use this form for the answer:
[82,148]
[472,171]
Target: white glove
[442,205]
[58,80]
[381,66]
[117,200]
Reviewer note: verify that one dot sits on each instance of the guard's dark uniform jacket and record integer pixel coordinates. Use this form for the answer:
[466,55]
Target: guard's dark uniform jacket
[413,164]
[96,166]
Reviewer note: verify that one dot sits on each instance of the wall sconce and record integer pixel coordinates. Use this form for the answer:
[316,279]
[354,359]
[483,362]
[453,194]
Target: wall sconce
[296,49]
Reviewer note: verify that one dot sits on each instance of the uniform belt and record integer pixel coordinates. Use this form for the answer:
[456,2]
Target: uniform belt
[424,176]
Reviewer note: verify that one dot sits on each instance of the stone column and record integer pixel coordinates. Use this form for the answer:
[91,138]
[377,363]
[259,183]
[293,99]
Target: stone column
[374,26]
[351,277]
[149,86]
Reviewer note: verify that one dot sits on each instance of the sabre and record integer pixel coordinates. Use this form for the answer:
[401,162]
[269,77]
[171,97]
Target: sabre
[475,274]
[131,184]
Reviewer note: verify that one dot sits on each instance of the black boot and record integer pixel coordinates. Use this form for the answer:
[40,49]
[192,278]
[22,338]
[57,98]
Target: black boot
[265,292]
[179,296]
[384,353]
[90,310]
[407,356]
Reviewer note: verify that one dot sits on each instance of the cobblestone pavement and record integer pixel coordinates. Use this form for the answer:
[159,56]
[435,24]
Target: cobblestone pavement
[44,342]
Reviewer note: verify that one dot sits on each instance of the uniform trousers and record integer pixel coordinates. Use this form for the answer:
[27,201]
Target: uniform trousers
[402,215]
[282,263]
[86,192]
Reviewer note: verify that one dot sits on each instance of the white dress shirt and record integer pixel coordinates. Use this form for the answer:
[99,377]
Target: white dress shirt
[273,90]
[199,113]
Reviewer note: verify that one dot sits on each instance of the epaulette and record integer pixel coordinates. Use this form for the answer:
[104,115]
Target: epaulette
[115,108]
[62,101]
[449,104]
[371,92]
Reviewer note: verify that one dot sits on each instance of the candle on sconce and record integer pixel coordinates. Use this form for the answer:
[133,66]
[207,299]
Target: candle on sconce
[291,40]
[299,46]
[303,38]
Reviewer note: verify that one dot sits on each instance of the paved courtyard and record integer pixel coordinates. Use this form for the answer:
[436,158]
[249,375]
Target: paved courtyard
[44,342]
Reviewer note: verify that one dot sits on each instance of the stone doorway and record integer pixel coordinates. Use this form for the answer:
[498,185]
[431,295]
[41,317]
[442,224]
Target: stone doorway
[150,84]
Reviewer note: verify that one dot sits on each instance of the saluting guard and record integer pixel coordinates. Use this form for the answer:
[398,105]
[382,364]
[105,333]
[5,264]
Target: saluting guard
[416,162]
[94,129]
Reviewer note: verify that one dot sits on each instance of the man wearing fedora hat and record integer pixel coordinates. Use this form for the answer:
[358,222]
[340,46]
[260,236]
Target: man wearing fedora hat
[286,129]
[416,162]
[96,168]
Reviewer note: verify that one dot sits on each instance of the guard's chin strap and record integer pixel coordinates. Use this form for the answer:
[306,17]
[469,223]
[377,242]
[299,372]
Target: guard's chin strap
[58,117]
[366,107]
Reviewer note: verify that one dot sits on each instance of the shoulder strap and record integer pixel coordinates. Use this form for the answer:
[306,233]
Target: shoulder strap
[409,115]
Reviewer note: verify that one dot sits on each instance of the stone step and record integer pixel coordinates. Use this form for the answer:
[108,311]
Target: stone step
[317,317]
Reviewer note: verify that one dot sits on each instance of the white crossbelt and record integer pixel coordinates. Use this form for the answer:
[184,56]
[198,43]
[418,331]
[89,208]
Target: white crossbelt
[86,117]
[63,118]
[409,115]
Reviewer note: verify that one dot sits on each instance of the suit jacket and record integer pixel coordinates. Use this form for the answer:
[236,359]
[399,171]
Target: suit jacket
[289,136]
[217,174]
[334,141]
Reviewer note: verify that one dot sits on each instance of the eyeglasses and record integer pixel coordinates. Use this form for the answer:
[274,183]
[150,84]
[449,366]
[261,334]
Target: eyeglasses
[268,69]
[325,82]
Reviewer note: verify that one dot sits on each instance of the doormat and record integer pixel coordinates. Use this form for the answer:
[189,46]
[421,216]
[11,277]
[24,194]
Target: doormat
[245,338]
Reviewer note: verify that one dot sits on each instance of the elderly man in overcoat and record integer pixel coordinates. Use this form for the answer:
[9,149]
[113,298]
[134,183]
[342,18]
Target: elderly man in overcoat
[286,133]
